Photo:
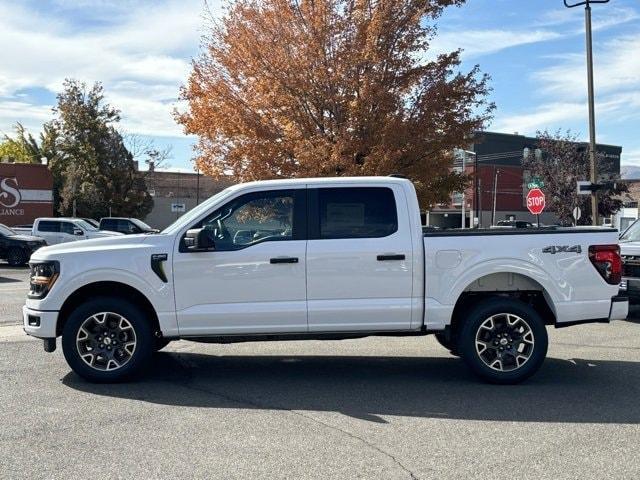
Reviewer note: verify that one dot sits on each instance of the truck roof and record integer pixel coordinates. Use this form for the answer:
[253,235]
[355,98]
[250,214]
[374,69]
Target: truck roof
[322,180]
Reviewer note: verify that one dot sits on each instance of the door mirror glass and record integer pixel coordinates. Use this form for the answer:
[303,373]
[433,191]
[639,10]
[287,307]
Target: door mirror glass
[199,239]
[78,231]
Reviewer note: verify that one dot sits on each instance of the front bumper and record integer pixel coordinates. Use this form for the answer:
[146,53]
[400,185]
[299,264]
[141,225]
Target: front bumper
[40,324]
[630,286]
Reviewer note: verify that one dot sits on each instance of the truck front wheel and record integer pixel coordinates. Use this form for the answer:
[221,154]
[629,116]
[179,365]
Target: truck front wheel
[107,340]
[503,340]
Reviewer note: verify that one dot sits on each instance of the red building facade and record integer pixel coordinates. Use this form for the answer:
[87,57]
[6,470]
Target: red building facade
[26,193]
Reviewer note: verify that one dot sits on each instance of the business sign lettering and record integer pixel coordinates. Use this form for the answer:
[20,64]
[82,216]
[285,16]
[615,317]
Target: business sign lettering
[10,197]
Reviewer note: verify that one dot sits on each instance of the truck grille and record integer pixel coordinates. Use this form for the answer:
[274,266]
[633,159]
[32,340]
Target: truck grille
[630,266]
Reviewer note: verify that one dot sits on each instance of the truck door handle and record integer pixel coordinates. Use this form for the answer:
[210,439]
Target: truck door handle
[284,260]
[382,258]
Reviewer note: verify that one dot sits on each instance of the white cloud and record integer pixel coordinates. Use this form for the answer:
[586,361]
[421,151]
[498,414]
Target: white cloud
[482,42]
[607,17]
[141,53]
[616,67]
[631,157]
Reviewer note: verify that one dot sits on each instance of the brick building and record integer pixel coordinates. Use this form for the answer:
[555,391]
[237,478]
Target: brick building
[494,163]
[26,193]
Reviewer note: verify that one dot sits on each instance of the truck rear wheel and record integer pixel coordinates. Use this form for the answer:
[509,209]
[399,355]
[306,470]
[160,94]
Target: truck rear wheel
[107,340]
[503,341]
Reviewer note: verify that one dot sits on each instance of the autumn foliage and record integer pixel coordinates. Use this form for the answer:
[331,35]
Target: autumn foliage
[300,88]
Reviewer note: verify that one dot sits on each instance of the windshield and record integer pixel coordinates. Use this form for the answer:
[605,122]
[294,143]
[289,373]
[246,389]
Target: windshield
[631,234]
[140,224]
[86,225]
[4,230]
[191,215]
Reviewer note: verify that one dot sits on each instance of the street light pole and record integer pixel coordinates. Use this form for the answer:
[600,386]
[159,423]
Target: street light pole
[592,111]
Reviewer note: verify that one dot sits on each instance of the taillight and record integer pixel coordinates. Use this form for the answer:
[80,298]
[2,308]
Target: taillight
[606,259]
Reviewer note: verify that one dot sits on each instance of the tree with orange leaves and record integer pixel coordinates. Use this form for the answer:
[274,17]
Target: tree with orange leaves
[301,88]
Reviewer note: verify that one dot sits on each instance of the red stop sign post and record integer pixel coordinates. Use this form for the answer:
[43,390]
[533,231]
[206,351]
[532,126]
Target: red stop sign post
[536,202]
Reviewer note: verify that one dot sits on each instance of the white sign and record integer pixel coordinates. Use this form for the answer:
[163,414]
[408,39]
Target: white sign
[577,213]
[178,207]
[584,187]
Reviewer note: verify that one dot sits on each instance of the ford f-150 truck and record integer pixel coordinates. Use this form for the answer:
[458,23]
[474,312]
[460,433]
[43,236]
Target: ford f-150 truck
[65,229]
[331,258]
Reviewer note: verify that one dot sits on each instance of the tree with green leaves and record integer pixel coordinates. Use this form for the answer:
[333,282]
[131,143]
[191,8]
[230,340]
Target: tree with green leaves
[93,171]
[22,148]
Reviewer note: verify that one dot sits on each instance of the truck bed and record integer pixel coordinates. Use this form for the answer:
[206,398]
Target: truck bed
[551,260]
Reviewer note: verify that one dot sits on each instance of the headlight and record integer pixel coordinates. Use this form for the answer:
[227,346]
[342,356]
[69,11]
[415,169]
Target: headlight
[43,276]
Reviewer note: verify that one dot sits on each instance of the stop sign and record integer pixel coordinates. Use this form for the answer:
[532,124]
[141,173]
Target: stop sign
[535,201]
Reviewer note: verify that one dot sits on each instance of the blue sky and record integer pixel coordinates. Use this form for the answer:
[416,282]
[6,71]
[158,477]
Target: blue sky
[140,50]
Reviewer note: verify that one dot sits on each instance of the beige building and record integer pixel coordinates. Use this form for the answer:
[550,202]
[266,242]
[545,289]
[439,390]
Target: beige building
[175,193]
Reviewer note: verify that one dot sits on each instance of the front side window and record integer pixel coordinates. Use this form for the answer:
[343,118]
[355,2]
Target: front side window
[367,212]
[251,219]
[66,227]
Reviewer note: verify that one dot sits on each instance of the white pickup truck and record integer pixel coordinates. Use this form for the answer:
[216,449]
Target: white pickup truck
[64,229]
[331,258]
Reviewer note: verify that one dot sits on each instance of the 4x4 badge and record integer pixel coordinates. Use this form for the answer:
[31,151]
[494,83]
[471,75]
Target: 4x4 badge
[553,249]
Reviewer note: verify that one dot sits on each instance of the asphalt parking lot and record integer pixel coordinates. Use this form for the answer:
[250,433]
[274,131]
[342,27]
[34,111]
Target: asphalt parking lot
[374,408]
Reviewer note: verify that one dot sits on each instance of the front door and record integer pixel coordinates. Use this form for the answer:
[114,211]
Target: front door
[254,280]
[359,259]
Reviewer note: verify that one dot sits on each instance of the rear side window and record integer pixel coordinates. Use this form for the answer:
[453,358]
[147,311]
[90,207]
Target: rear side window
[108,224]
[367,212]
[48,226]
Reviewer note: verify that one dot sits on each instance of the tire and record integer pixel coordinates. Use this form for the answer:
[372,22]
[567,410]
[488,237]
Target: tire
[449,344]
[503,341]
[16,257]
[120,354]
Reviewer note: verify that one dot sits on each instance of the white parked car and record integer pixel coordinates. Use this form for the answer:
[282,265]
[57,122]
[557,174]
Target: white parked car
[62,230]
[329,258]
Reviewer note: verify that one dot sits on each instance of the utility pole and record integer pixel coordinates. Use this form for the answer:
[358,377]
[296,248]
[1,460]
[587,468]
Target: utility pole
[198,186]
[495,196]
[592,115]
[479,207]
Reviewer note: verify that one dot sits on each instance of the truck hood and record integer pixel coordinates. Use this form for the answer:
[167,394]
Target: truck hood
[630,248]
[26,238]
[115,242]
[104,233]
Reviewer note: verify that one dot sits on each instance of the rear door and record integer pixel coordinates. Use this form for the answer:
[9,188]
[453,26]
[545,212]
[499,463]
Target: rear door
[359,259]
[49,230]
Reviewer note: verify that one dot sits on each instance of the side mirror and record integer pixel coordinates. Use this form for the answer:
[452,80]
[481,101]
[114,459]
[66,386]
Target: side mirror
[198,239]
[78,231]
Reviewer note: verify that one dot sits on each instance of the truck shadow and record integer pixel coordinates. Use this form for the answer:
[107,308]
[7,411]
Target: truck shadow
[580,391]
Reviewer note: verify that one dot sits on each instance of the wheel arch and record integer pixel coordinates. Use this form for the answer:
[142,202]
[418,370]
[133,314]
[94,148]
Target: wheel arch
[107,289]
[500,285]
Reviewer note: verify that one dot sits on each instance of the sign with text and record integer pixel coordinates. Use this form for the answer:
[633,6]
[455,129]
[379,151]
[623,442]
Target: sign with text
[535,201]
